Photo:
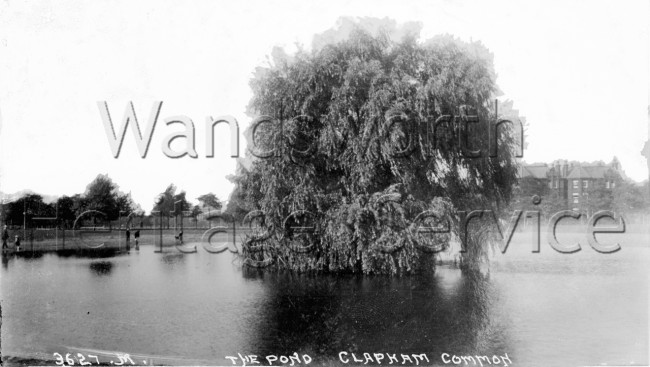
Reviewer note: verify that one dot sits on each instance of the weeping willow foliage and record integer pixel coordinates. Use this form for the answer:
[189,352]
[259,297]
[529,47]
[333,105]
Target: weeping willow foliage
[350,147]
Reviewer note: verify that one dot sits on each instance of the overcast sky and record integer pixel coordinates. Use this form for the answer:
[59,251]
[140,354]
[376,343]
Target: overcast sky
[577,70]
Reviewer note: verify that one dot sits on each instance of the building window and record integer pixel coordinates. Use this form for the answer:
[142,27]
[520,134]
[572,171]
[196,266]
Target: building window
[585,184]
[576,200]
[575,184]
[613,185]
[607,184]
[550,185]
[557,184]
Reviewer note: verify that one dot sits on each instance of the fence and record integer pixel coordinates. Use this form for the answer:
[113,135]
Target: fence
[161,231]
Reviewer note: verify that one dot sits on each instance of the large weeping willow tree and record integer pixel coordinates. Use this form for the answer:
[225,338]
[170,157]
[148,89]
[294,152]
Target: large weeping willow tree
[366,149]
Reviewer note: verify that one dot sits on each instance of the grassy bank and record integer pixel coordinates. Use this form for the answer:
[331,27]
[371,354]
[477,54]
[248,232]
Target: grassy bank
[48,240]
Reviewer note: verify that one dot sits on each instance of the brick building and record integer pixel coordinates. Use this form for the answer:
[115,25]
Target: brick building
[570,181]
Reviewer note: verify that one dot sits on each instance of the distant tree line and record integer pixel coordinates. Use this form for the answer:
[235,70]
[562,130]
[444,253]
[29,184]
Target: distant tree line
[103,202]
[170,204]
[102,195]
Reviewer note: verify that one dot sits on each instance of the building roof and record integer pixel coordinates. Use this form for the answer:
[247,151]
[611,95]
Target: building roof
[574,170]
[589,171]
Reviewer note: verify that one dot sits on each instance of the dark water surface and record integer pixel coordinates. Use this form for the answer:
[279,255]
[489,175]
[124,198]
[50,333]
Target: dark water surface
[542,309]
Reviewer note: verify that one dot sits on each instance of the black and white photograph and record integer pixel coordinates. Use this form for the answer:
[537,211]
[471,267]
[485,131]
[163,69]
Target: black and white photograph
[325,183]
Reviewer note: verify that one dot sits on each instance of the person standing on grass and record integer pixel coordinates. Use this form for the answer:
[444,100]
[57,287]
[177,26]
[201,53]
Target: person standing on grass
[5,237]
[128,238]
[136,235]
[17,243]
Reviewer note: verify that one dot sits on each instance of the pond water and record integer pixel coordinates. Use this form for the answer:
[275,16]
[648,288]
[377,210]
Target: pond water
[542,309]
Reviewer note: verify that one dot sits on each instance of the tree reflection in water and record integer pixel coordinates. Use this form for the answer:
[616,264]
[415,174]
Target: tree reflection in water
[324,315]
